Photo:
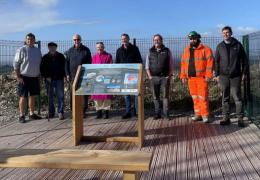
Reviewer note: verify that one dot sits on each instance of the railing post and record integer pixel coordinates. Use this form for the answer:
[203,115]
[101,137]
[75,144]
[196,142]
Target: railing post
[246,83]
[38,102]
[134,42]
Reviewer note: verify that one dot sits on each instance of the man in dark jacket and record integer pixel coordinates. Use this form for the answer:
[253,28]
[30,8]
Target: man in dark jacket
[159,67]
[53,71]
[230,68]
[128,53]
[75,56]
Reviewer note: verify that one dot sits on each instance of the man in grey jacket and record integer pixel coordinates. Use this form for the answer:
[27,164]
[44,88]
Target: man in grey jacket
[231,67]
[27,68]
[77,55]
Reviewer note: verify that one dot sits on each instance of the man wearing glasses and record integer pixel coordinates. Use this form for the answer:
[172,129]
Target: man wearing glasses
[197,70]
[77,55]
[159,68]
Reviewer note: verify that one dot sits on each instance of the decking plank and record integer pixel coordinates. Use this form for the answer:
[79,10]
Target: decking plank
[182,149]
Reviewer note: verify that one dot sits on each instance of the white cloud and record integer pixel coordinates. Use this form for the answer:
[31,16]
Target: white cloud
[240,30]
[41,3]
[246,30]
[206,34]
[27,18]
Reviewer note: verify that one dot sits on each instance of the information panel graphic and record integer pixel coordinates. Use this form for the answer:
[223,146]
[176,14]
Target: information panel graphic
[113,79]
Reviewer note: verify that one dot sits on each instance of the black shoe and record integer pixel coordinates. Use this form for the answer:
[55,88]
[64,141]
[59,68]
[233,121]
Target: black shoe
[22,119]
[225,121]
[126,116]
[99,114]
[167,118]
[49,116]
[106,114]
[34,117]
[240,122]
[157,116]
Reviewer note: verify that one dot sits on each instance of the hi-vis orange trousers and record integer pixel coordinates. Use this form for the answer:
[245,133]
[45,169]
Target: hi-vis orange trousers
[198,87]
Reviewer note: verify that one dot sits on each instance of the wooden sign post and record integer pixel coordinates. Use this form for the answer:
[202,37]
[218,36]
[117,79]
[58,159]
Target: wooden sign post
[77,115]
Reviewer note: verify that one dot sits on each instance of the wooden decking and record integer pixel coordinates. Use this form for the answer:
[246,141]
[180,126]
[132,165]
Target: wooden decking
[182,149]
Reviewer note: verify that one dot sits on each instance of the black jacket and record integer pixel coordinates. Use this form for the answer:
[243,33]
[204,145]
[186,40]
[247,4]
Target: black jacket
[53,66]
[76,57]
[129,55]
[233,65]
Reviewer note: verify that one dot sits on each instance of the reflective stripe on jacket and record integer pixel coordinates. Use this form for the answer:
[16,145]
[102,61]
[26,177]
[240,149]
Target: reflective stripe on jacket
[203,58]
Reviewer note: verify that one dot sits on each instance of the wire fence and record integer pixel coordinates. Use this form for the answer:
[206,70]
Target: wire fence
[254,57]
[175,44]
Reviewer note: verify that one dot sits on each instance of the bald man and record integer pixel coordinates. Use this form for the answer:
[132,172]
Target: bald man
[77,55]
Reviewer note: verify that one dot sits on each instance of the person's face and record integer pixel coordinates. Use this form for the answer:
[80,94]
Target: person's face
[194,41]
[77,41]
[226,34]
[100,48]
[124,40]
[157,42]
[52,49]
[30,41]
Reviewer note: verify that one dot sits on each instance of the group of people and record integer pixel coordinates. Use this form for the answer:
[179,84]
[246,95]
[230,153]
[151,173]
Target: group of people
[229,67]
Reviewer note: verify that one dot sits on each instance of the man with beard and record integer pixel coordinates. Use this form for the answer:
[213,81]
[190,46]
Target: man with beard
[197,69]
[231,67]
[159,67]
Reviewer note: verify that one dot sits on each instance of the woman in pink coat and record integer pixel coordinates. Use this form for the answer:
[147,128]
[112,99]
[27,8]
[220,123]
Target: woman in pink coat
[102,102]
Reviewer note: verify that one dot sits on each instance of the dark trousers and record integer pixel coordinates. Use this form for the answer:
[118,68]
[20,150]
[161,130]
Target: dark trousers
[158,85]
[231,85]
[129,104]
[55,88]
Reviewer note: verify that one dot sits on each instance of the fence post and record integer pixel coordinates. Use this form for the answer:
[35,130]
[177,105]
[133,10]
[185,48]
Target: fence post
[38,102]
[134,42]
[246,83]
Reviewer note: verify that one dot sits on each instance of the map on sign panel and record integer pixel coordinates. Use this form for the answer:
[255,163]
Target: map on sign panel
[113,79]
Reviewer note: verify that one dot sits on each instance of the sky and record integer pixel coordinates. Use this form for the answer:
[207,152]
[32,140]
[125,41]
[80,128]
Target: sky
[52,20]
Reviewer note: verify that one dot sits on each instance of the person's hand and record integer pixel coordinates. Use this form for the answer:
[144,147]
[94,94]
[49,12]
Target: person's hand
[243,77]
[216,78]
[68,78]
[207,79]
[48,80]
[184,81]
[150,77]
[20,80]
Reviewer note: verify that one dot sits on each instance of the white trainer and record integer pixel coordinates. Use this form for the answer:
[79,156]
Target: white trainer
[196,118]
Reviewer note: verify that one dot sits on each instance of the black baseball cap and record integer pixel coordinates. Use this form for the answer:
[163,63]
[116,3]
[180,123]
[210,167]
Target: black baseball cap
[52,44]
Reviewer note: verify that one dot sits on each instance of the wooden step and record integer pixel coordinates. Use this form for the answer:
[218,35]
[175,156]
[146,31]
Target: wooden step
[127,161]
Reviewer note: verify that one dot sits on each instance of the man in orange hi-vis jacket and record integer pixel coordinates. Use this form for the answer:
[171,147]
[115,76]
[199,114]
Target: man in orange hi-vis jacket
[196,69]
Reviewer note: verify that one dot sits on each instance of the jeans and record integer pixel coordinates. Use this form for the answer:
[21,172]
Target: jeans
[159,84]
[129,104]
[232,85]
[55,88]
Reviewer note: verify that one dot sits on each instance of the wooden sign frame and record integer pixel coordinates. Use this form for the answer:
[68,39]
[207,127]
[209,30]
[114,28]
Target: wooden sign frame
[77,117]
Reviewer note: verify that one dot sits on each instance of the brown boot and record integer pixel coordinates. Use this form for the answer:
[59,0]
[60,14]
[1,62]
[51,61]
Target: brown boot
[99,114]
[225,121]
[240,122]
[106,114]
